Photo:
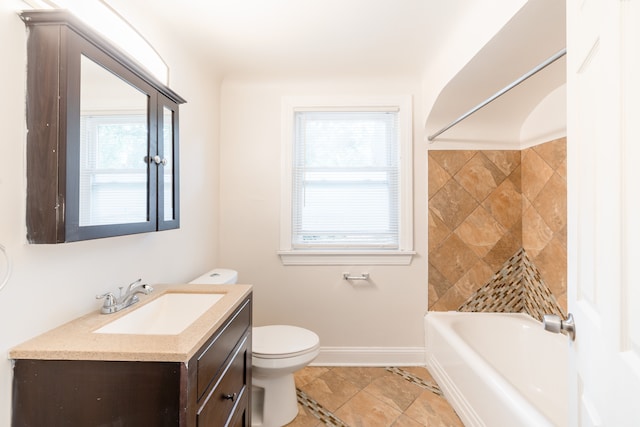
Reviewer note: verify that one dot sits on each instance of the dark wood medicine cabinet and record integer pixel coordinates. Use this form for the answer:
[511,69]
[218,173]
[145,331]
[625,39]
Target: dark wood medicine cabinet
[102,140]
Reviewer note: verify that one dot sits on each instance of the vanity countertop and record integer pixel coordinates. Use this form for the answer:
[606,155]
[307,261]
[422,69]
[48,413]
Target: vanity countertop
[75,340]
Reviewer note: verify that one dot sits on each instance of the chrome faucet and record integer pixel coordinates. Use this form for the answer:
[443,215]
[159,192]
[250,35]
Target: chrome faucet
[130,297]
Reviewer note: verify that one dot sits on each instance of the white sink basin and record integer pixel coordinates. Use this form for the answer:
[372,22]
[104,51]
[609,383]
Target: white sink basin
[170,314]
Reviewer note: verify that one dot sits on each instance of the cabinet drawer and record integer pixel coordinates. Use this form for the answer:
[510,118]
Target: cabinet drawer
[214,355]
[230,392]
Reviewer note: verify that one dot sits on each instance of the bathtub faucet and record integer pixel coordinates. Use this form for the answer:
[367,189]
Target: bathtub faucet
[555,324]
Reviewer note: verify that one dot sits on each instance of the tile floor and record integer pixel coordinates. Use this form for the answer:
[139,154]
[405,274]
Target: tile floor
[370,397]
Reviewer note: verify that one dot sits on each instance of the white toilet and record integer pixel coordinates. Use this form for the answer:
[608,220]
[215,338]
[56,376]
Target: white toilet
[278,351]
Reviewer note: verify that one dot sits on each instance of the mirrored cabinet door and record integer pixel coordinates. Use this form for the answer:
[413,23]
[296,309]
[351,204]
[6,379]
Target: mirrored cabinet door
[114,142]
[102,145]
[169,165]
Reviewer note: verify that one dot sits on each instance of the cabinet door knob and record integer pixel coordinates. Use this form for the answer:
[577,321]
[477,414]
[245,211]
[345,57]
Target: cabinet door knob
[231,397]
[159,160]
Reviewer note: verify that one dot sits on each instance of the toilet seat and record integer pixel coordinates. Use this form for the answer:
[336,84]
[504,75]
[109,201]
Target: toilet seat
[283,341]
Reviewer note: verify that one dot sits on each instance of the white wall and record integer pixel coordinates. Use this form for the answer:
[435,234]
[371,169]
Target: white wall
[381,317]
[52,284]
[547,121]
[466,37]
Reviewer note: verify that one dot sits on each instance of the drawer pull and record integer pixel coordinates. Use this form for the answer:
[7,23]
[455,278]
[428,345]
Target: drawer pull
[231,397]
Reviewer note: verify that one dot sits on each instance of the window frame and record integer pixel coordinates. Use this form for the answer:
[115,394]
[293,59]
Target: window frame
[359,256]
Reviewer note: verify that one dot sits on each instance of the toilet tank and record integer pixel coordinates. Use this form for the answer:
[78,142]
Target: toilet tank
[217,276]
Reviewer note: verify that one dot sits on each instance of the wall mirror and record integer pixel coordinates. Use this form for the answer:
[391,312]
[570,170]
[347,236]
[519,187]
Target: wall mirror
[102,145]
[114,172]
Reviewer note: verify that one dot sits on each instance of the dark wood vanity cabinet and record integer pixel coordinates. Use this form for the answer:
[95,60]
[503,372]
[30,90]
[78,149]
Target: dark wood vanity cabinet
[212,389]
[223,375]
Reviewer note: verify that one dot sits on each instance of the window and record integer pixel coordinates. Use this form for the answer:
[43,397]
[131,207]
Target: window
[347,181]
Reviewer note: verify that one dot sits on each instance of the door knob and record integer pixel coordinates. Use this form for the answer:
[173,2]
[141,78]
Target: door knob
[231,397]
[555,324]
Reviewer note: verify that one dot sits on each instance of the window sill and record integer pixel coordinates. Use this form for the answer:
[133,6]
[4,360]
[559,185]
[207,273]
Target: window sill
[315,257]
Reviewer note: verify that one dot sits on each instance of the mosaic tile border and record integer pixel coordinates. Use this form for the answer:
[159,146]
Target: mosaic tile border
[330,419]
[517,287]
[318,411]
[432,387]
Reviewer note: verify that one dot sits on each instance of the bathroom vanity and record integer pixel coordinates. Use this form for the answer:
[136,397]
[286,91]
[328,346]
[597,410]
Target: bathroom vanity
[198,377]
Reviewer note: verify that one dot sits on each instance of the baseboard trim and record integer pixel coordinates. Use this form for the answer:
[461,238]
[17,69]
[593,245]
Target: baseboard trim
[370,356]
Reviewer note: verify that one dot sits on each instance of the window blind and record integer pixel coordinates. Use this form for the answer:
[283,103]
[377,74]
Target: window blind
[345,179]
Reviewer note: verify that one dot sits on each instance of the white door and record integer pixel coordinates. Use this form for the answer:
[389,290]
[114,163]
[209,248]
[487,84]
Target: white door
[603,139]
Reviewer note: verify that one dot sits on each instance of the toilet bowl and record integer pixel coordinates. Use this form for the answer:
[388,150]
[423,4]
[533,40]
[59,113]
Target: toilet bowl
[277,352]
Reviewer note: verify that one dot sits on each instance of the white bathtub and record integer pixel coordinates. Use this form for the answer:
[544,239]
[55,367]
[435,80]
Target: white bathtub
[499,369]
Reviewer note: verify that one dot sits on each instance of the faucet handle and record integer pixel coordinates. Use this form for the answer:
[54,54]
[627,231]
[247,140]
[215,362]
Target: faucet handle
[109,299]
[110,303]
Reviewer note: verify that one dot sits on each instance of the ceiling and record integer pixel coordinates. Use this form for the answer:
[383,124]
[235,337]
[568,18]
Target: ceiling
[286,39]
[306,37]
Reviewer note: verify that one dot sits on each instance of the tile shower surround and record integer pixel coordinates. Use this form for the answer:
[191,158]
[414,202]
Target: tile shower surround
[497,230]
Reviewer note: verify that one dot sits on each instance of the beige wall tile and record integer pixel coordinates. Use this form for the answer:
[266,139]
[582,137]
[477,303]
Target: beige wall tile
[506,161]
[551,203]
[480,231]
[553,152]
[562,169]
[473,279]
[453,258]
[562,301]
[552,264]
[479,176]
[438,231]
[439,283]
[432,297]
[535,174]
[452,204]
[437,177]
[504,204]
[503,250]
[562,236]
[535,232]
[451,300]
[520,192]
[452,161]
[516,178]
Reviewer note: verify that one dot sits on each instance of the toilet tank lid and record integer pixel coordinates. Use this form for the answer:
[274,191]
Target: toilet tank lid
[217,276]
